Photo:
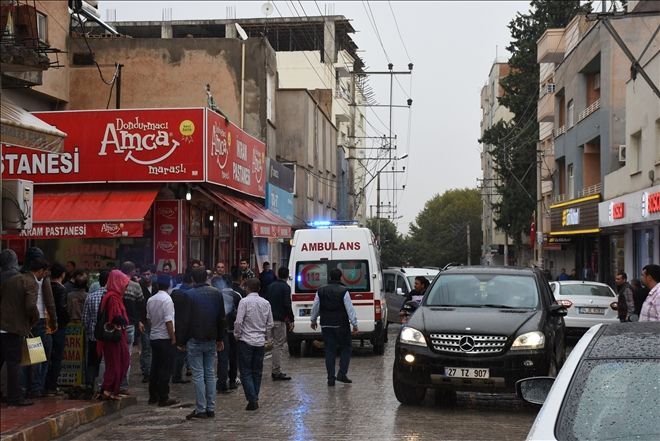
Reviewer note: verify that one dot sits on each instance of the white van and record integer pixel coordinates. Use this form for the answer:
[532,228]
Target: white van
[353,250]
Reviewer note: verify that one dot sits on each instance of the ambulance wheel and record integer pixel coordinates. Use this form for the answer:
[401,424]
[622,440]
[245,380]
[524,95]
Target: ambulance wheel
[294,347]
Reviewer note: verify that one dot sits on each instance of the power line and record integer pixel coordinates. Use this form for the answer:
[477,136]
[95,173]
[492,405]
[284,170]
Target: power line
[403,43]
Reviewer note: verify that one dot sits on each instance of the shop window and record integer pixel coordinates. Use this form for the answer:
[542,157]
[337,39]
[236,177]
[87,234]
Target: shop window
[643,249]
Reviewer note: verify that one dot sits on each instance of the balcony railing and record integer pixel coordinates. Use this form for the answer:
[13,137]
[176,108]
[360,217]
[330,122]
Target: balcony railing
[560,131]
[589,110]
[594,189]
[559,198]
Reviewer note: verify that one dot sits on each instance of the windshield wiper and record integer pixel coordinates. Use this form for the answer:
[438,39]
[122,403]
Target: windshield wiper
[504,306]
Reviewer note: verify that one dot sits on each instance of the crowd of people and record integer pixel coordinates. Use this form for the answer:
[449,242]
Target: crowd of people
[212,325]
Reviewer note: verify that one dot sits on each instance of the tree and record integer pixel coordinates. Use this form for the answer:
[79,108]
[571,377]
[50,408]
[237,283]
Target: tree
[392,244]
[439,234]
[514,142]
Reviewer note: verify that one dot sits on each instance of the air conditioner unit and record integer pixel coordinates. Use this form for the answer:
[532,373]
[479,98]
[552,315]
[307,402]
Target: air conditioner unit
[17,197]
[622,154]
[550,88]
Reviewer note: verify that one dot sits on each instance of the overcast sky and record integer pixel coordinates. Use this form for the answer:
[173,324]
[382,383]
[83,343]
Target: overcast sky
[452,46]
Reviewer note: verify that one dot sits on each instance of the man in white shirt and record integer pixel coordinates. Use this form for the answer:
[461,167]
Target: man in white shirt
[253,326]
[160,313]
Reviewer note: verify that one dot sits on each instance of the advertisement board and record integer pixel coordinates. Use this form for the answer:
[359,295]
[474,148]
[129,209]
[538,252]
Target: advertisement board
[280,202]
[234,158]
[132,145]
[73,357]
[168,229]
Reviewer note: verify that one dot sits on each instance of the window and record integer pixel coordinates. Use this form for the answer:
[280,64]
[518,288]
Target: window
[312,275]
[42,27]
[401,283]
[633,152]
[388,282]
[571,182]
[484,290]
[571,114]
[586,290]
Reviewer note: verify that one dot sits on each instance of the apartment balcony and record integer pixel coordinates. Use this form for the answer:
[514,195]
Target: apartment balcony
[546,108]
[589,110]
[551,46]
[588,191]
[560,131]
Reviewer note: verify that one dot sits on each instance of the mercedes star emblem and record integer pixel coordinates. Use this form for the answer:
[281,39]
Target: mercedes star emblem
[466,343]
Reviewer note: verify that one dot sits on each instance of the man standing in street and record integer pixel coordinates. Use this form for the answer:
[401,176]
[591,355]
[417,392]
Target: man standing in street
[204,328]
[651,307]
[278,295]
[245,269]
[333,303]
[625,301]
[133,302]
[228,357]
[160,315]
[18,313]
[254,323]
[57,273]
[148,289]
[220,269]
[89,315]
[266,277]
[562,276]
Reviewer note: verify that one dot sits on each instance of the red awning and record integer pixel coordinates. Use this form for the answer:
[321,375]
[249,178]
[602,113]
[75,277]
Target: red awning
[265,223]
[89,214]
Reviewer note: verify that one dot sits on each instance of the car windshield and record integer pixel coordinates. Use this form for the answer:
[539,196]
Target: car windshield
[411,279]
[584,289]
[612,400]
[484,290]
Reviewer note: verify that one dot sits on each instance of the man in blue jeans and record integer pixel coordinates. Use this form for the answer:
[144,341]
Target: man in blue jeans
[254,324]
[203,330]
[333,303]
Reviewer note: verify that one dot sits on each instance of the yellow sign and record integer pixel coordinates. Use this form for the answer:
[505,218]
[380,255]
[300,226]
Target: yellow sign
[187,127]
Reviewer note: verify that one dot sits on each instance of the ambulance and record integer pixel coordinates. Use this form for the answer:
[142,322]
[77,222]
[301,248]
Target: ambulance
[352,249]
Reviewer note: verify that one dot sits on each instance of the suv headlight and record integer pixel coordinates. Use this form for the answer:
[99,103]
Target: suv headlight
[529,340]
[412,336]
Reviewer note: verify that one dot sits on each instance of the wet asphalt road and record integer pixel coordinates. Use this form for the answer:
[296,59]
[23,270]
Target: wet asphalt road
[306,409]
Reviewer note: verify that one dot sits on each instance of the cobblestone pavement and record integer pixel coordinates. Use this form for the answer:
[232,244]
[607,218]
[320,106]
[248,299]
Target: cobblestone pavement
[306,409]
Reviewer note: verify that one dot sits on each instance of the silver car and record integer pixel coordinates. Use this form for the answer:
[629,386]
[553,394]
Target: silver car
[608,388]
[588,304]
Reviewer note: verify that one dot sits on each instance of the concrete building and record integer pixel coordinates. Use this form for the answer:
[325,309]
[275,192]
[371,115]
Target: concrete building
[494,243]
[307,142]
[589,126]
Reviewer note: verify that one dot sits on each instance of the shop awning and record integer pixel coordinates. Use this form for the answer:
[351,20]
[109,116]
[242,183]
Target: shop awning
[20,128]
[89,214]
[265,223]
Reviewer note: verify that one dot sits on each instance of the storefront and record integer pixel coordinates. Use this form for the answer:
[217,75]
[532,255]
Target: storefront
[134,184]
[632,222]
[575,230]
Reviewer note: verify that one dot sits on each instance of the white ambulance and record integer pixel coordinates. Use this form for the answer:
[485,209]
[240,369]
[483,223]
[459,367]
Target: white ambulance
[354,251]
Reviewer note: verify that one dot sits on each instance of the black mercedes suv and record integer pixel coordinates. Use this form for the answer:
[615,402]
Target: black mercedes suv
[479,329]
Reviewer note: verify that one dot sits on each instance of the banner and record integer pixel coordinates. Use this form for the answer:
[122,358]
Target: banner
[280,202]
[143,145]
[168,234]
[280,175]
[103,230]
[234,158]
[73,359]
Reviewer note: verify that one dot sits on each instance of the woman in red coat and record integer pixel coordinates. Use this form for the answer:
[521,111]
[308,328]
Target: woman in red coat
[115,354]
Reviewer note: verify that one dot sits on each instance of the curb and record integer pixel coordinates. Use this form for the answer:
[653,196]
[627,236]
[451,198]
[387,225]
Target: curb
[66,421]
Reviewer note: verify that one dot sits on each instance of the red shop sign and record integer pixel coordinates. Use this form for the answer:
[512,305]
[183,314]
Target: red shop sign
[168,234]
[234,158]
[159,145]
[618,210]
[61,230]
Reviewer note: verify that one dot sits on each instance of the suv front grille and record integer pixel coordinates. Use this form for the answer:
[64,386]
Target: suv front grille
[468,344]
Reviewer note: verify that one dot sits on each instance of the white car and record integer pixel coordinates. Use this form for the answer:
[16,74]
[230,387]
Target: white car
[608,388]
[588,304]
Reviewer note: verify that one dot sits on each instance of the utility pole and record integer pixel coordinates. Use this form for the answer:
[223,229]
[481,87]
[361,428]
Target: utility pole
[538,244]
[352,152]
[506,248]
[469,259]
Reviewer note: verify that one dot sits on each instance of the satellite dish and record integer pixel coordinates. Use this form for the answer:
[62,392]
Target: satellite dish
[241,32]
[267,9]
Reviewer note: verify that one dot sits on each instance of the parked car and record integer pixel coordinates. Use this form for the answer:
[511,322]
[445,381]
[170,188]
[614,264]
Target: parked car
[479,328]
[588,304]
[397,283]
[608,389]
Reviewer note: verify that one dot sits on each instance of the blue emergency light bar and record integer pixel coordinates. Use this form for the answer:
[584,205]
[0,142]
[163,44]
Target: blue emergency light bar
[331,223]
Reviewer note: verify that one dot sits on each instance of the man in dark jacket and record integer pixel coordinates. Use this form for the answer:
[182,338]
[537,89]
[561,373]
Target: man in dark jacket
[147,285]
[18,314]
[333,303]
[266,277]
[228,357]
[8,265]
[57,273]
[203,330]
[625,301]
[180,298]
[279,296]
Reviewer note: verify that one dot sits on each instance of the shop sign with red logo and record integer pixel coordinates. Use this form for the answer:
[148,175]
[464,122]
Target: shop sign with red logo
[168,234]
[234,158]
[617,210]
[63,230]
[157,145]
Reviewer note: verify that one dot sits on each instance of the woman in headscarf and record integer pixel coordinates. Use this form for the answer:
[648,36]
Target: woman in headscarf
[115,354]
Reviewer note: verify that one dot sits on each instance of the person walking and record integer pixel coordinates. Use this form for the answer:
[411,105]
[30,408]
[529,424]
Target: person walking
[89,316]
[203,330]
[57,273]
[333,303]
[160,316]
[278,295]
[148,289]
[651,308]
[115,354]
[179,298]
[625,301]
[18,314]
[228,357]
[253,326]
